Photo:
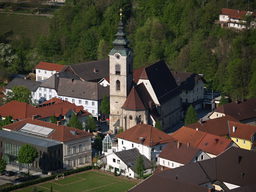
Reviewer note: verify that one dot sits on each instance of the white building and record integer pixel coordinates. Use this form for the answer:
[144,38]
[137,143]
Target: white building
[177,154]
[235,19]
[146,138]
[124,163]
[45,70]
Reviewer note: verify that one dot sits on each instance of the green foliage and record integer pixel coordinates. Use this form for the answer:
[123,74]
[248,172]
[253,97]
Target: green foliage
[104,106]
[2,165]
[19,93]
[98,143]
[191,116]
[6,121]
[27,154]
[53,119]
[139,166]
[74,122]
[223,100]
[158,125]
[90,124]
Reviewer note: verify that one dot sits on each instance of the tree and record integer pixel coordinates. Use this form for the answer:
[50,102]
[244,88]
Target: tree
[74,122]
[158,125]
[139,166]
[191,116]
[53,119]
[19,93]
[223,100]
[27,154]
[6,121]
[90,124]
[104,106]
[2,165]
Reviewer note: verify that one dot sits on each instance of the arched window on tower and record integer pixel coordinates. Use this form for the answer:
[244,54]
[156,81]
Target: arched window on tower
[118,85]
[118,69]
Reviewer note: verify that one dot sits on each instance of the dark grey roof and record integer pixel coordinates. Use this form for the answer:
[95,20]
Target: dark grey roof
[81,89]
[235,166]
[129,157]
[31,85]
[91,71]
[28,139]
[162,81]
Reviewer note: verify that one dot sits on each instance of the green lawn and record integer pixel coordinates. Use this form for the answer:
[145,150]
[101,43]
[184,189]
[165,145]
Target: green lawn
[92,181]
[28,26]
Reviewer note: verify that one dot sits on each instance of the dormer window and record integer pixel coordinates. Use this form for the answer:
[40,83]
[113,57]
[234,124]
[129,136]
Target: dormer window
[117,69]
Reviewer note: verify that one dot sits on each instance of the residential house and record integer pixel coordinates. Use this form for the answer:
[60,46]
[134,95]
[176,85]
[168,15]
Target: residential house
[243,135]
[124,163]
[192,88]
[29,84]
[83,93]
[76,144]
[50,157]
[217,126]
[243,111]
[234,170]
[58,108]
[45,70]
[237,19]
[176,154]
[212,145]
[146,138]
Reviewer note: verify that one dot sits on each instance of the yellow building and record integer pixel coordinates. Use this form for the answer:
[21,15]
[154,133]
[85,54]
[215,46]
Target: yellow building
[243,135]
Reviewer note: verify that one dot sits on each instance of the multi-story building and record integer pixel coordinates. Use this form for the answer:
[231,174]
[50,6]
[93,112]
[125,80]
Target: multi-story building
[76,144]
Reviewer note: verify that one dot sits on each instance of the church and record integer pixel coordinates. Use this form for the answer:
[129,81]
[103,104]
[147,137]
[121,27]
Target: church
[146,95]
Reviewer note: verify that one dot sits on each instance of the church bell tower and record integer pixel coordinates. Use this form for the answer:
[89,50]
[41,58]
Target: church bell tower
[120,75]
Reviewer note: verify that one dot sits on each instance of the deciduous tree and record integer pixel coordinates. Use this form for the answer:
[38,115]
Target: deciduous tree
[191,116]
[139,166]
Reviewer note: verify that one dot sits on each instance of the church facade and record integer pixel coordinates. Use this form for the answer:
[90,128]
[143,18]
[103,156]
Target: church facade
[152,96]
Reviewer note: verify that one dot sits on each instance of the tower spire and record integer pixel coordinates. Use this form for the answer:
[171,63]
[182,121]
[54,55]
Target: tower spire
[120,41]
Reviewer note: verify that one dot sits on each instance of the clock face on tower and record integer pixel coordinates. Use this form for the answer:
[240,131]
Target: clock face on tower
[117,56]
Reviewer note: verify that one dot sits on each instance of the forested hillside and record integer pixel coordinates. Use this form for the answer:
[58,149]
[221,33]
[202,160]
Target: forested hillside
[182,32]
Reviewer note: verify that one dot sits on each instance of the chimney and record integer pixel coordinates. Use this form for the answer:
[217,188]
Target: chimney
[58,123]
[95,70]
[216,140]
[196,129]
[142,139]
[234,129]
[188,144]
[33,117]
[178,144]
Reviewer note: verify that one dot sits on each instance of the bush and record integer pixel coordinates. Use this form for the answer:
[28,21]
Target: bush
[5,188]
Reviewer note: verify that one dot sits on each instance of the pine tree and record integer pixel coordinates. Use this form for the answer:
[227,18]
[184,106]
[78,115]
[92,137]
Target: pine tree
[140,166]
[191,116]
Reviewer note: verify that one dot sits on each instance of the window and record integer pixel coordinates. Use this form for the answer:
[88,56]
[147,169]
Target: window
[236,140]
[80,148]
[39,71]
[117,69]
[202,157]
[44,95]
[130,117]
[50,96]
[93,103]
[86,102]
[244,141]
[73,100]
[122,142]
[45,72]
[118,85]
[40,95]
[50,90]
[93,111]
[172,164]
[132,145]
[74,149]
[160,148]
[79,101]
[66,99]
[81,160]
[114,160]
[44,89]
[118,161]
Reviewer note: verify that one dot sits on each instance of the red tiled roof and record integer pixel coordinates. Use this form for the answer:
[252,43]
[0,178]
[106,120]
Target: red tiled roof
[137,73]
[218,126]
[214,144]
[50,66]
[242,131]
[54,100]
[145,134]
[17,110]
[233,13]
[205,141]
[133,101]
[61,133]
[20,110]
[179,152]
[239,110]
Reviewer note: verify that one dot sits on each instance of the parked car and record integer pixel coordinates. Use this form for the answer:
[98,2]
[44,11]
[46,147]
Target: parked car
[9,173]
